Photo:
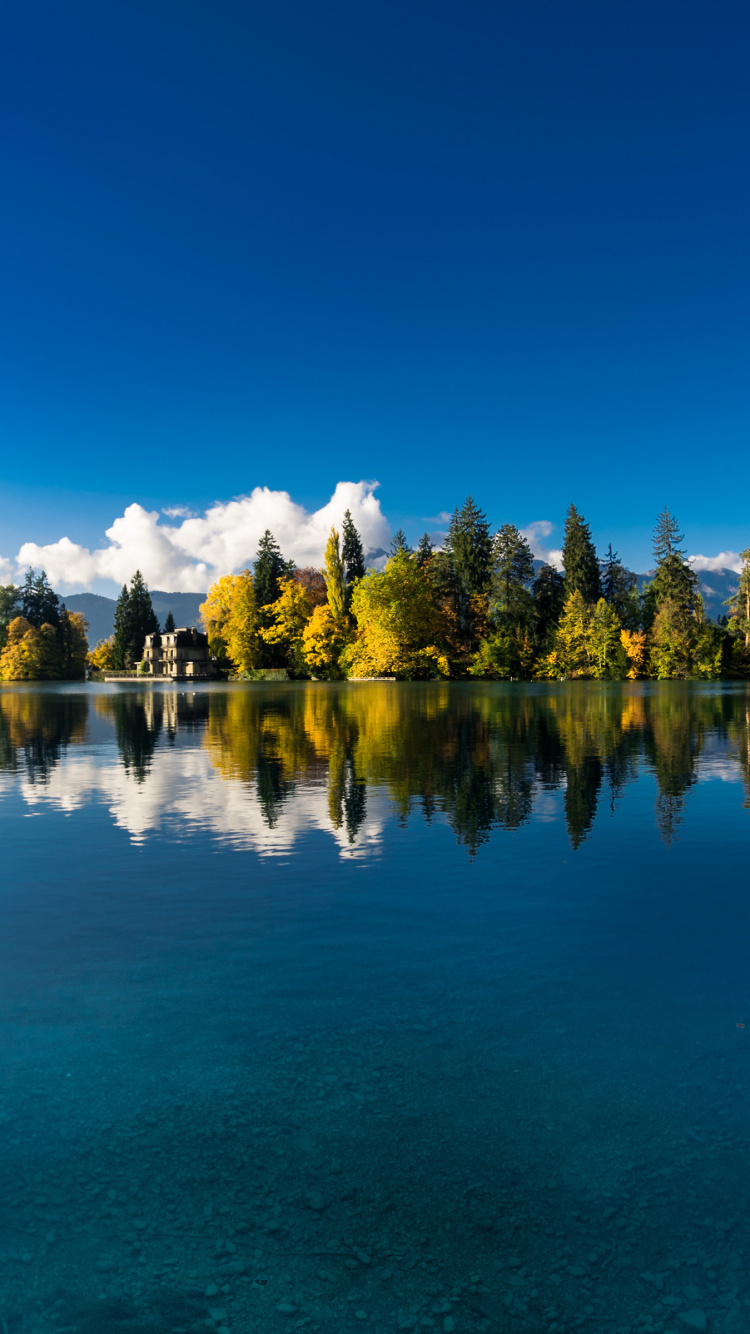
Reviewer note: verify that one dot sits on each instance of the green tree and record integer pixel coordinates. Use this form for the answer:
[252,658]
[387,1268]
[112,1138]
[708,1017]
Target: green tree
[739,603]
[674,579]
[169,625]
[514,572]
[425,551]
[270,568]
[468,548]
[607,657]
[333,572]
[549,598]
[673,638]
[579,559]
[399,545]
[39,604]
[400,625]
[9,603]
[618,587]
[134,619]
[72,645]
[352,555]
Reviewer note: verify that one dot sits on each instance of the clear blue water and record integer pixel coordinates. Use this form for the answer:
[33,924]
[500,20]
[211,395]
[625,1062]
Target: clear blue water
[374,1006]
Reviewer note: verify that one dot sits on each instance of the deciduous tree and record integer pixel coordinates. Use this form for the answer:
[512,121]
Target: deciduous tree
[231,620]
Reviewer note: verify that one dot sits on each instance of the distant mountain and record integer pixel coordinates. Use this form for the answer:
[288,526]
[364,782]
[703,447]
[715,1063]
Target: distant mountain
[100,612]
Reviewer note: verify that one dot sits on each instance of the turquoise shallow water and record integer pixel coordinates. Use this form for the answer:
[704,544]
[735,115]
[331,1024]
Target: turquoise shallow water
[374,1006]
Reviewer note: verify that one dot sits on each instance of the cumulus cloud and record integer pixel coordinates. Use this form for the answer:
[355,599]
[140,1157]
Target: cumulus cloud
[188,555]
[536,534]
[726,560]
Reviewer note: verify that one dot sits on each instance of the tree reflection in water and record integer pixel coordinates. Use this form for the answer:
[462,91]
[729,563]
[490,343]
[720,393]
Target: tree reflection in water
[484,757]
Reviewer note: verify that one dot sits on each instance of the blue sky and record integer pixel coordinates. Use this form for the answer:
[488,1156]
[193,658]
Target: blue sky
[488,248]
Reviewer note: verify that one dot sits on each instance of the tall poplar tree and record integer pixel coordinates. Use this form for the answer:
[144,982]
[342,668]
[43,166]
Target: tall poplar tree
[579,559]
[334,576]
[352,555]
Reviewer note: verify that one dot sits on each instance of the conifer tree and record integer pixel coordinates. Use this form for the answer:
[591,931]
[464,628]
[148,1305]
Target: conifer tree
[425,551]
[514,572]
[399,545]
[169,625]
[39,604]
[270,567]
[579,559]
[9,598]
[549,598]
[618,585]
[674,577]
[468,548]
[352,555]
[134,619]
[739,603]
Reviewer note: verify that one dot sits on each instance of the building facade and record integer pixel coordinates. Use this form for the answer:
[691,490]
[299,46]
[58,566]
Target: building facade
[183,654]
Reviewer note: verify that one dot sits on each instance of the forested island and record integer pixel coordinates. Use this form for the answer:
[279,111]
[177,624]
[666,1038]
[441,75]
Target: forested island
[476,607]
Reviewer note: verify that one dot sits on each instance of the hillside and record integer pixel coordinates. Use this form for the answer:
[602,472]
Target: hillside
[99,611]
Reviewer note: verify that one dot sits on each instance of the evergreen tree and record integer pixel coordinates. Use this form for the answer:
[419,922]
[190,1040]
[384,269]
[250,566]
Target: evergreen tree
[9,599]
[352,555]
[134,619]
[169,625]
[514,572]
[121,629]
[425,551]
[270,567]
[549,599]
[618,586]
[468,548]
[400,544]
[674,578]
[579,559]
[739,603]
[39,604]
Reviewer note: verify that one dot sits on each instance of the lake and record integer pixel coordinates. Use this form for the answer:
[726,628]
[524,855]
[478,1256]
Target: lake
[374,1006]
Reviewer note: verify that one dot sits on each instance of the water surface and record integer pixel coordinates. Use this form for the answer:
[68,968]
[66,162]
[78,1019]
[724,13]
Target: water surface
[374,1006]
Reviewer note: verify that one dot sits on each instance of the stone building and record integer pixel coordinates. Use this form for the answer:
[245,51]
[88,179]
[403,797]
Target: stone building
[179,655]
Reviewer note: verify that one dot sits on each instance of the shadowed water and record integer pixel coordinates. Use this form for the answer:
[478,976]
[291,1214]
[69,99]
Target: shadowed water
[374,1006]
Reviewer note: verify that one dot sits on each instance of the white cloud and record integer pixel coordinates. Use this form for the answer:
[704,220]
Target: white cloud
[535,533]
[726,560]
[190,554]
[6,571]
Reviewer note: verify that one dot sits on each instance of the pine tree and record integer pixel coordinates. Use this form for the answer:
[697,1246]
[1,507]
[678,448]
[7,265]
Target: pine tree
[134,619]
[468,548]
[9,600]
[400,545]
[514,571]
[425,551]
[549,598]
[121,629]
[674,578]
[39,604]
[352,555]
[618,586]
[739,603]
[579,559]
[270,567]
[169,625]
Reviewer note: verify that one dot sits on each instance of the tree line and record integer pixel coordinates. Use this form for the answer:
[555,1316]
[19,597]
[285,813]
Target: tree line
[477,607]
[40,640]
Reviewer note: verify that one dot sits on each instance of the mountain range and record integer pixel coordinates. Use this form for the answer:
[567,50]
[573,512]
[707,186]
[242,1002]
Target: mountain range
[715,586]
